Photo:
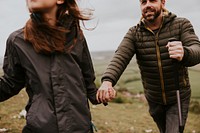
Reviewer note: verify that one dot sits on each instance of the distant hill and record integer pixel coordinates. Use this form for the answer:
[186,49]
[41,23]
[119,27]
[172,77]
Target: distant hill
[105,56]
[196,68]
[102,55]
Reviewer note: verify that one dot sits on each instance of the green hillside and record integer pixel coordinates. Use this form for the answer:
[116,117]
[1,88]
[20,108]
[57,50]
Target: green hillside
[131,76]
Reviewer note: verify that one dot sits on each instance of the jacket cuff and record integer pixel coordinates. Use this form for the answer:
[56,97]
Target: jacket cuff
[186,55]
[108,79]
[93,100]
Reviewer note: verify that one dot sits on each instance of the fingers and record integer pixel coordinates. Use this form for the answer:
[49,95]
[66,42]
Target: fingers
[101,94]
[112,93]
[104,96]
[175,49]
[105,93]
[175,53]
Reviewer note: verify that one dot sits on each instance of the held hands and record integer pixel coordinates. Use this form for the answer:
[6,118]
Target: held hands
[106,92]
[175,49]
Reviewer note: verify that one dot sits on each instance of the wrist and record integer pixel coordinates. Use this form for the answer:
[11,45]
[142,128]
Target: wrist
[107,83]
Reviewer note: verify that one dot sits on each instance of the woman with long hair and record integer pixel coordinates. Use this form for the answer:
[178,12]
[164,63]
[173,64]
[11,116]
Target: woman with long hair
[50,58]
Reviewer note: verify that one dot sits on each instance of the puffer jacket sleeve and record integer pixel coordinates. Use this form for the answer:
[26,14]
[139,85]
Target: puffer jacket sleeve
[121,59]
[13,79]
[191,44]
[88,74]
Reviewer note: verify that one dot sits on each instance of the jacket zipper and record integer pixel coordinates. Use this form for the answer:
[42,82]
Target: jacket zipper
[159,64]
[160,71]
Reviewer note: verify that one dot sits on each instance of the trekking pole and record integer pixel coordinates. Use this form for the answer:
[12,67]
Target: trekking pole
[179,112]
[176,79]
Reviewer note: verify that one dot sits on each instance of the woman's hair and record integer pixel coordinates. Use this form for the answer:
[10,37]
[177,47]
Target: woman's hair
[48,39]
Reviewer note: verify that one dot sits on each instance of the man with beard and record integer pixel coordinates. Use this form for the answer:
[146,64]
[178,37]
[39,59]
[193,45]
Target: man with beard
[165,46]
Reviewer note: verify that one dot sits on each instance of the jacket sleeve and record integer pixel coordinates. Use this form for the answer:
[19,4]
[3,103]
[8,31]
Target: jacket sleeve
[121,59]
[88,73]
[13,79]
[190,43]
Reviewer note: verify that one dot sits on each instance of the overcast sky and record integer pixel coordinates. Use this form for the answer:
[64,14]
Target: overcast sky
[114,18]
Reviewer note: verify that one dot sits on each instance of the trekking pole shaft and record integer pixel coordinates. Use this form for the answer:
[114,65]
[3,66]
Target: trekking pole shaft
[179,108]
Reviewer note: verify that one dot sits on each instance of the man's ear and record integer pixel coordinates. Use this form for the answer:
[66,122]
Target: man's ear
[60,2]
[163,2]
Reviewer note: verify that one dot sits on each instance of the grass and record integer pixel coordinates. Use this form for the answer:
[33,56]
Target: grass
[129,117]
[9,112]
[132,118]
[114,118]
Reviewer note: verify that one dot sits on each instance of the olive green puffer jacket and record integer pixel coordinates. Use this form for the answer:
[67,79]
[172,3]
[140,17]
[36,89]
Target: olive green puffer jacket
[156,68]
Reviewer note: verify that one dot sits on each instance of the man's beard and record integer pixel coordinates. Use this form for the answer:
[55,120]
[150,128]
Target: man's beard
[151,14]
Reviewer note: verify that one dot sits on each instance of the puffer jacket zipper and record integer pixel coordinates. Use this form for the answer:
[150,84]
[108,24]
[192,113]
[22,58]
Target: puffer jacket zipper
[160,70]
[159,63]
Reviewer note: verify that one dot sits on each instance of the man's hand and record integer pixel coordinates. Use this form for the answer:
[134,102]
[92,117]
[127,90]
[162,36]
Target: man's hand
[175,49]
[106,92]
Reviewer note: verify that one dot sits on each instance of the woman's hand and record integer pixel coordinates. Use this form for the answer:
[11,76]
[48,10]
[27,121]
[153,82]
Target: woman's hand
[106,92]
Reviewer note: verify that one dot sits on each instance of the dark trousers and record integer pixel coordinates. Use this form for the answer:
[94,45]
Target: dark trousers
[166,116]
